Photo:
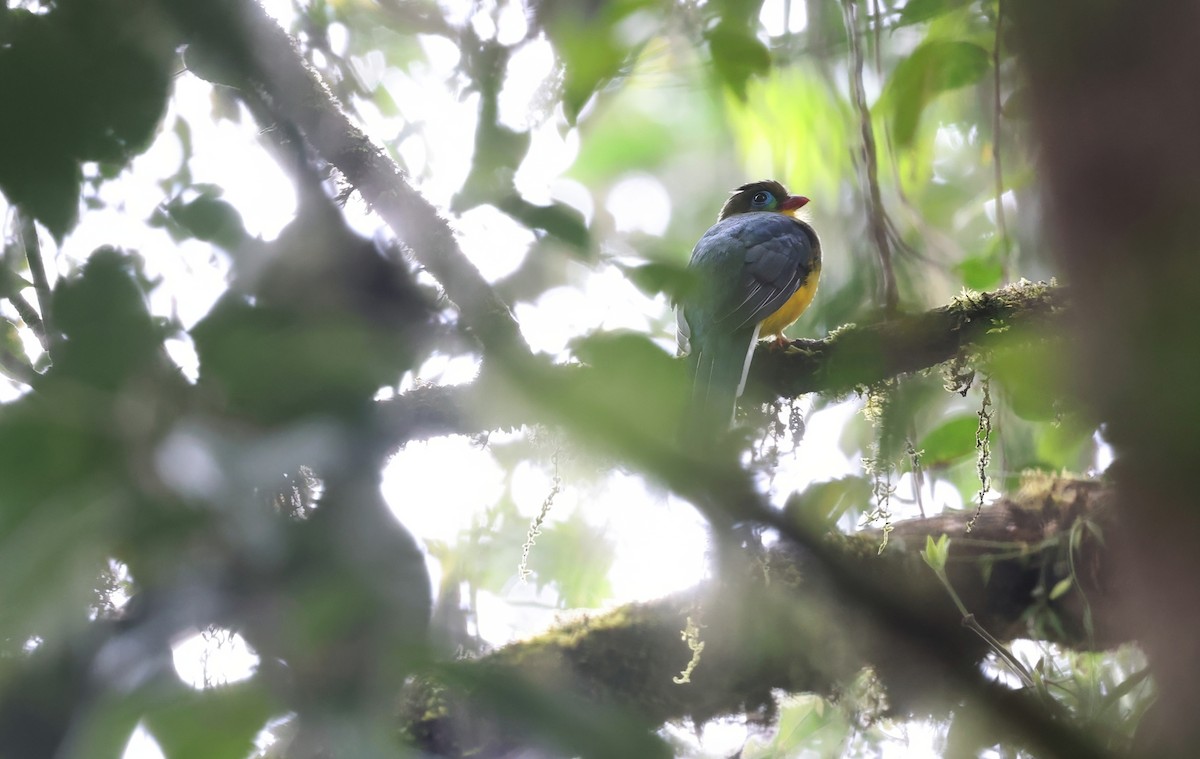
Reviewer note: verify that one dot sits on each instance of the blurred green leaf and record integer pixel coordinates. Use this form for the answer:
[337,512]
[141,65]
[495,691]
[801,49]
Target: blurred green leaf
[594,41]
[822,504]
[76,89]
[1060,588]
[634,384]
[917,11]
[274,365]
[737,55]
[934,67]
[1032,376]
[623,139]
[104,314]
[949,442]
[981,272]
[1065,445]
[185,725]
[793,117]
[210,219]
[807,726]
[654,278]
[576,557]
[558,219]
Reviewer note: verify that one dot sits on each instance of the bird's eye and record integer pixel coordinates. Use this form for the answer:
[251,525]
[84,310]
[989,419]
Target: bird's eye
[762,199]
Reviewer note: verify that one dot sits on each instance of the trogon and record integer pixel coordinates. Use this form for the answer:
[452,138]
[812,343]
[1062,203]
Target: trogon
[753,273]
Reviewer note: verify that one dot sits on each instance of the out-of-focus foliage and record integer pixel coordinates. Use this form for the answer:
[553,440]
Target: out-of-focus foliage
[247,495]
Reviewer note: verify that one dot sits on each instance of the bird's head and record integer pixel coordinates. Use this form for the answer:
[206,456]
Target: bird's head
[767,195]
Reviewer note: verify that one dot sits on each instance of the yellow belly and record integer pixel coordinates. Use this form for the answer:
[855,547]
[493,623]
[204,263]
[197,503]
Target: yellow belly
[789,312]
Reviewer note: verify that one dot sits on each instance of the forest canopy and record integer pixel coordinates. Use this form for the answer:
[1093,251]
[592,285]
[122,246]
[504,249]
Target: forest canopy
[342,401]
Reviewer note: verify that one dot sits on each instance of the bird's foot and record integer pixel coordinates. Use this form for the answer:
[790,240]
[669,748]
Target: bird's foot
[799,345]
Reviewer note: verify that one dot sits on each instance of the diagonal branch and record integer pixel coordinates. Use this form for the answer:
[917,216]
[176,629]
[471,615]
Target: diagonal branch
[42,326]
[241,35]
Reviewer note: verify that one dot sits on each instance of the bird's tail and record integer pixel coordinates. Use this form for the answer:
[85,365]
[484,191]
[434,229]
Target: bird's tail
[718,365]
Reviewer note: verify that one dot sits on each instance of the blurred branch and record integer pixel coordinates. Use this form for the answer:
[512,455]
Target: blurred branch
[850,357]
[785,627]
[42,327]
[264,57]
[30,316]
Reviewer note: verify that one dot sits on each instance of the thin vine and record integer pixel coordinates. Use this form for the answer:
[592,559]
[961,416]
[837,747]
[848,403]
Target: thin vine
[535,527]
[983,447]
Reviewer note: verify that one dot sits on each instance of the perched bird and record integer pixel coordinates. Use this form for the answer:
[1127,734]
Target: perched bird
[754,272]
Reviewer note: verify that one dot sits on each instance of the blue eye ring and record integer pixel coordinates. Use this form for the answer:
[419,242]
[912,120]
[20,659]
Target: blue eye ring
[762,199]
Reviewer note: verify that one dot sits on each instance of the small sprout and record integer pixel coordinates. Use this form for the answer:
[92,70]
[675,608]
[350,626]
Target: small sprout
[936,554]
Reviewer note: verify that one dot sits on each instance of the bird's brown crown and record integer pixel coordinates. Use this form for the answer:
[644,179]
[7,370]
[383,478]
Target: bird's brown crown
[748,198]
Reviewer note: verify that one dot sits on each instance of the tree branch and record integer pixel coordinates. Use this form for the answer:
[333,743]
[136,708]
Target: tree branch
[43,327]
[263,57]
[782,628]
[852,356]
[726,494]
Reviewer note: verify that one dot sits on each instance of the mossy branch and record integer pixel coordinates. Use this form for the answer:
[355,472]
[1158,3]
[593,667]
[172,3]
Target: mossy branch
[795,635]
[851,357]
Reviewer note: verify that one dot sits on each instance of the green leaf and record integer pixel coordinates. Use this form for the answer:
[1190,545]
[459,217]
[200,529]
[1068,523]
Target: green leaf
[793,115]
[934,67]
[217,723]
[558,219]
[936,553]
[103,313]
[657,277]
[576,557]
[594,42]
[949,442]
[210,219]
[274,365]
[918,11]
[1060,588]
[1032,376]
[1066,444]
[77,86]
[981,272]
[621,140]
[823,503]
[737,55]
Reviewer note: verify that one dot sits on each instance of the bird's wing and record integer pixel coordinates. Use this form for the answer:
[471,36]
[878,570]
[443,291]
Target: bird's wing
[750,264]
